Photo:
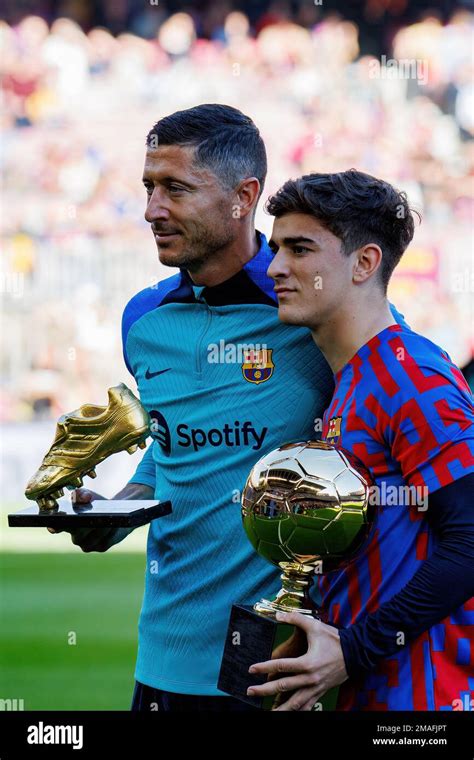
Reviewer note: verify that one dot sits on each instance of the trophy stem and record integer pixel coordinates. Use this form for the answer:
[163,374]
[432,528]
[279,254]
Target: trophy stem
[294,593]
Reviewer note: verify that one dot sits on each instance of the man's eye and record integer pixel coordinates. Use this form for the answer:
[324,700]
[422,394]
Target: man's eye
[148,189]
[300,249]
[176,189]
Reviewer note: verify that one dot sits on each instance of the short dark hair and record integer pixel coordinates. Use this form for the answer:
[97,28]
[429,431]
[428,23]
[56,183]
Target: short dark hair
[356,207]
[226,141]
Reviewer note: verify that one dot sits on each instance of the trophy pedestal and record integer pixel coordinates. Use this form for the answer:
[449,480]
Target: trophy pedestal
[108,513]
[251,638]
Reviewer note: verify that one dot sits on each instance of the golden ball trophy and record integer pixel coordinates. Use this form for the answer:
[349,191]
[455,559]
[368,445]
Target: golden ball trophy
[305,509]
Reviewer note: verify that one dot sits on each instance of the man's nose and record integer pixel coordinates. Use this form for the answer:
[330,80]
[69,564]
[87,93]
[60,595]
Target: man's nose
[156,208]
[278,267]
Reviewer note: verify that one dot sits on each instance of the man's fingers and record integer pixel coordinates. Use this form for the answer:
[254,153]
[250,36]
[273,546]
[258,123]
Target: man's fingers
[79,496]
[290,665]
[307,623]
[92,539]
[76,535]
[279,686]
[83,496]
[88,539]
[299,701]
[80,534]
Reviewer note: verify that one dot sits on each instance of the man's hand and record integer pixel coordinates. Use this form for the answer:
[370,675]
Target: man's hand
[309,676]
[101,539]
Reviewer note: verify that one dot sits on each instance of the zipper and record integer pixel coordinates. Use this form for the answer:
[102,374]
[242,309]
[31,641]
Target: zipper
[201,339]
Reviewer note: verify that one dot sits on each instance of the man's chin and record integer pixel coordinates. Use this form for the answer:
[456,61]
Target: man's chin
[289,316]
[167,257]
[170,254]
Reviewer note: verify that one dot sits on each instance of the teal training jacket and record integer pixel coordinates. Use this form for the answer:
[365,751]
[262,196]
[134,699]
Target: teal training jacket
[192,352]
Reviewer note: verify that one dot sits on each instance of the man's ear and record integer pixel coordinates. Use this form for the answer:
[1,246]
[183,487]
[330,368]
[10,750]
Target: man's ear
[367,261]
[247,196]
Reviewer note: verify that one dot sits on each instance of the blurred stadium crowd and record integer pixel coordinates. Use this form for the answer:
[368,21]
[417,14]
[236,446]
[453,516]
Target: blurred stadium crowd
[77,107]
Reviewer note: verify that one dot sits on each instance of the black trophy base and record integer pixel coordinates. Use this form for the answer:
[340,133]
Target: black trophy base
[253,637]
[109,513]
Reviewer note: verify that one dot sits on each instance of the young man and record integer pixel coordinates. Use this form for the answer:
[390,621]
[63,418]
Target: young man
[404,608]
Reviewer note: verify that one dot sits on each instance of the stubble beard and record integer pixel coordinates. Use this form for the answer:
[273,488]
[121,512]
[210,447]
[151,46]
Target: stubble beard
[198,250]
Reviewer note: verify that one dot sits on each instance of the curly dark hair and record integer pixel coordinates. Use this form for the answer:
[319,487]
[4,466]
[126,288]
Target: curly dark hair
[356,207]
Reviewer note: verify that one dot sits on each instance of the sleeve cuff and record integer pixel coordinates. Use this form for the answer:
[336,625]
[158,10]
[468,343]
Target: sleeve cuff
[144,480]
[348,645]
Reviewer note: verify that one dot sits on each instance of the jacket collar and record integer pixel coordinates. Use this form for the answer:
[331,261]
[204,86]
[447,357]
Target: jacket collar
[250,285]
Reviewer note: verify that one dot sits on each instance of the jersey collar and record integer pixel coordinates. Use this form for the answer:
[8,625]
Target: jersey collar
[250,285]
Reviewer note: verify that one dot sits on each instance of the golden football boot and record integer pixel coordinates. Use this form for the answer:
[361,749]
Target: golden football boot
[86,437]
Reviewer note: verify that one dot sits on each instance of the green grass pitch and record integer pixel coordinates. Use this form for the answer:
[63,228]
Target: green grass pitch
[45,601]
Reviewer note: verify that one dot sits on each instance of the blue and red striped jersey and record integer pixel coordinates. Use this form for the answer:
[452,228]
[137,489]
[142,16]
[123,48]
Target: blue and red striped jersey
[404,409]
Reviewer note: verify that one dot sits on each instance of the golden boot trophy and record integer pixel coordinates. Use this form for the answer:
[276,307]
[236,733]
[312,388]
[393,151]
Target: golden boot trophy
[84,438]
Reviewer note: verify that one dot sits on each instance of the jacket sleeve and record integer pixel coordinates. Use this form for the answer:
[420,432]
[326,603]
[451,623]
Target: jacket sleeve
[146,470]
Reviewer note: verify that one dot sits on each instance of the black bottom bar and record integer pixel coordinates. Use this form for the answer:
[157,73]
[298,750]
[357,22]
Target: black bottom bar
[330,734]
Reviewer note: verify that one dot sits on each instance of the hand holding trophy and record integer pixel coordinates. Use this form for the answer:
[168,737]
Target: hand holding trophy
[84,438]
[306,509]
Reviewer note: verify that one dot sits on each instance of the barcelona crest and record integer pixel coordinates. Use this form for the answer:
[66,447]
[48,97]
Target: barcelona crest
[258,365]
[334,428]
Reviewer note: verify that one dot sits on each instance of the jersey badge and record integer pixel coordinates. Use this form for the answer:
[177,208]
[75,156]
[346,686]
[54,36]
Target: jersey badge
[258,365]
[334,427]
